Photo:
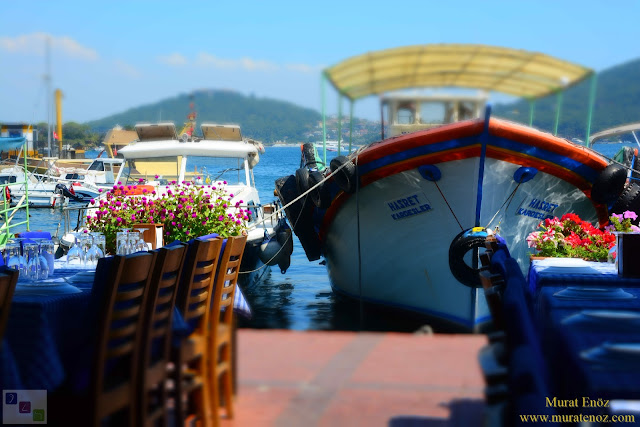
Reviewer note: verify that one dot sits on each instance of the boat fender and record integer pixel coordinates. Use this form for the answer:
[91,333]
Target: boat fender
[345,177]
[320,196]
[629,200]
[430,172]
[464,242]
[7,194]
[285,238]
[524,174]
[302,180]
[308,156]
[284,264]
[609,184]
[271,252]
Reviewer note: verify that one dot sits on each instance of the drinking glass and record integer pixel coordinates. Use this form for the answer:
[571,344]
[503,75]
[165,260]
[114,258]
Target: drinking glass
[47,253]
[92,254]
[75,256]
[13,255]
[33,260]
[21,256]
[132,241]
[99,242]
[142,244]
[122,247]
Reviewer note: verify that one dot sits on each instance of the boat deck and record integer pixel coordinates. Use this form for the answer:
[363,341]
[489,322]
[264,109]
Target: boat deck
[314,378]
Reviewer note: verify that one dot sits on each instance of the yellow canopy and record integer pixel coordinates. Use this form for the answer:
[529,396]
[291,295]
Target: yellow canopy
[510,71]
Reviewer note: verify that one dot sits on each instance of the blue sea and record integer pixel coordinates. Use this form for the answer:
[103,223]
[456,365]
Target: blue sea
[301,298]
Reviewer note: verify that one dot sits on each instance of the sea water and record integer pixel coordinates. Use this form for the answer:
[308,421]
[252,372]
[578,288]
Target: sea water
[301,298]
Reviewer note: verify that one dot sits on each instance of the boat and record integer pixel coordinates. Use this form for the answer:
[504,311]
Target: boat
[84,183]
[159,157]
[399,222]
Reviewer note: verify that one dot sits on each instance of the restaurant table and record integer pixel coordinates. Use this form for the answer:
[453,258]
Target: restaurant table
[588,319]
[49,324]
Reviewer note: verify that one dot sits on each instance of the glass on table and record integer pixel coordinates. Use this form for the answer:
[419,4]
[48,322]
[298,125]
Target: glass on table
[132,241]
[92,253]
[47,251]
[75,256]
[12,253]
[122,246]
[99,242]
[21,256]
[34,268]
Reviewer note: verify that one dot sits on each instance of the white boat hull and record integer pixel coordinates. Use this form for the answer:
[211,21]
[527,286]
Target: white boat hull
[405,262]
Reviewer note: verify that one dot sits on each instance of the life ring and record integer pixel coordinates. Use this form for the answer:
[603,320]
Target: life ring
[609,184]
[345,177]
[464,242]
[320,196]
[629,200]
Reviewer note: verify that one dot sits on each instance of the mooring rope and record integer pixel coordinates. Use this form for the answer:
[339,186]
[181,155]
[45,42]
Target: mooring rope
[448,205]
[506,202]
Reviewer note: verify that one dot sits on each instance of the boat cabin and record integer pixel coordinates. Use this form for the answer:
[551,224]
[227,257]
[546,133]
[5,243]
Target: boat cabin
[160,156]
[410,113]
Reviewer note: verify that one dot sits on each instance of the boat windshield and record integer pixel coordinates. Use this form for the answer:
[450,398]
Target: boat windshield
[214,169]
[167,169]
[200,170]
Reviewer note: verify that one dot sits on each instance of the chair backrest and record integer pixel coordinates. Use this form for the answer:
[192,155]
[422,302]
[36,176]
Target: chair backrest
[226,280]
[161,302]
[194,295]
[8,280]
[119,332]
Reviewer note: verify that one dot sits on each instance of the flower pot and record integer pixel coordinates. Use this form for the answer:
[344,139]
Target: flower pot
[628,248]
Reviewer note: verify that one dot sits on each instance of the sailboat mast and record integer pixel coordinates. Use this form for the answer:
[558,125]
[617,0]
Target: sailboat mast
[49,94]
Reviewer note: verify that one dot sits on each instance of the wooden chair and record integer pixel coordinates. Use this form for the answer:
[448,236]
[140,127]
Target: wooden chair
[116,357]
[190,358]
[8,280]
[156,353]
[221,324]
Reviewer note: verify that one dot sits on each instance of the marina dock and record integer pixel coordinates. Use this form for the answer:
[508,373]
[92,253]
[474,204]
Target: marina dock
[319,378]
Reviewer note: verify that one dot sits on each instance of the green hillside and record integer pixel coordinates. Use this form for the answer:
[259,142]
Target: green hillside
[264,119]
[617,102]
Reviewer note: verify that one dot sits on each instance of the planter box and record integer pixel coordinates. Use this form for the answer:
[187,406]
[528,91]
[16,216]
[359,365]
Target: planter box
[628,256]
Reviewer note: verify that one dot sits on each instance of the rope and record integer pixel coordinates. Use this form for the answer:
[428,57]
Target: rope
[508,199]
[277,212]
[449,206]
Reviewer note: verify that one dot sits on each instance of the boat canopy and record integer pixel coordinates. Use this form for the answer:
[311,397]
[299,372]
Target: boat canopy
[11,143]
[151,149]
[511,71]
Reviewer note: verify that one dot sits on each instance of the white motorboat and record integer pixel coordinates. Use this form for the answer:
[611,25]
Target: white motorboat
[40,194]
[159,158]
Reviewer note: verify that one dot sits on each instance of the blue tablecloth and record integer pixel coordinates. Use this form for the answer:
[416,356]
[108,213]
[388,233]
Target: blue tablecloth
[47,326]
[573,339]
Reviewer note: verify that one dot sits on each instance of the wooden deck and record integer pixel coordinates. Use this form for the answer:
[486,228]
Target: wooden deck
[290,378]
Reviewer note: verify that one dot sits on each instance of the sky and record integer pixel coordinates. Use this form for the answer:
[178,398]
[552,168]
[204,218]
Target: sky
[107,57]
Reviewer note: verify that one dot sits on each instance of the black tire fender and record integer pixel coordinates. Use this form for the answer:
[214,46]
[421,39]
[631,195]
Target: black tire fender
[345,177]
[629,200]
[464,242]
[609,184]
[320,196]
[302,180]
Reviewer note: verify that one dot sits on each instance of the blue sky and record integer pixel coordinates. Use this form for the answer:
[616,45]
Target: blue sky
[107,57]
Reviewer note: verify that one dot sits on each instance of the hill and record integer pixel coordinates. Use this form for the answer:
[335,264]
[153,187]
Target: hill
[617,102]
[264,119]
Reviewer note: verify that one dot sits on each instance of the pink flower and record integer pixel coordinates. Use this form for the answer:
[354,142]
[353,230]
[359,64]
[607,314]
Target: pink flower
[532,239]
[630,215]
